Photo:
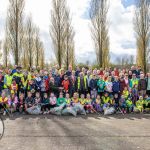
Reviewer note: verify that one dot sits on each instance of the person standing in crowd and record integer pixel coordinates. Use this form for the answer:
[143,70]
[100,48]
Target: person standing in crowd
[134,81]
[38,82]
[57,80]
[127,80]
[142,85]
[116,86]
[100,85]
[25,82]
[122,84]
[109,85]
[89,76]
[148,84]
[53,88]
[77,71]
[93,86]
[18,77]
[130,74]
[7,81]
[82,84]
[14,70]
[116,72]
[72,85]
[65,84]
[69,71]
[1,81]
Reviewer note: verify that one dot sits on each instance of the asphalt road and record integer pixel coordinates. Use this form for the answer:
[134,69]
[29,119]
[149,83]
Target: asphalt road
[92,132]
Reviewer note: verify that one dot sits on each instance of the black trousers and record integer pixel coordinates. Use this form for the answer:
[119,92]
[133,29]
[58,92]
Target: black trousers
[47,106]
[148,92]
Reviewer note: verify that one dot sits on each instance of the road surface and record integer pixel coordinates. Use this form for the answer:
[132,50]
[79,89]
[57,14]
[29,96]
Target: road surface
[92,132]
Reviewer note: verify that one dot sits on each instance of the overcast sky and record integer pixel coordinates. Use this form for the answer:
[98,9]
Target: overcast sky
[120,17]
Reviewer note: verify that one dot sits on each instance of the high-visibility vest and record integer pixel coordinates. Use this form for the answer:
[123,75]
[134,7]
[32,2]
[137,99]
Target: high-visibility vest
[82,101]
[3,100]
[105,99]
[8,81]
[25,82]
[85,83]
[18,75]
[134,82]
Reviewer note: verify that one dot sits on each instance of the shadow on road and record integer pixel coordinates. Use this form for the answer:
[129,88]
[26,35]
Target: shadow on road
[95,116]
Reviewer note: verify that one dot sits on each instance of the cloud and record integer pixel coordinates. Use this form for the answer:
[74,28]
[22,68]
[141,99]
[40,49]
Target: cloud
[121,27]
[120,17]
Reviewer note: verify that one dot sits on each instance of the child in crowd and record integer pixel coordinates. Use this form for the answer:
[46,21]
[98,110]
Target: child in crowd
[14,86]
[65,84]
[82,100]
[21,103]
[43,87]
[135,94]
[106,100]
[53,100]
[3,102]
[37,98]
[68,100]
[109,85]
[97,104]
[61,99]
[125,92]
[122,104]
[29,101]
[129,105]
[116,101]
[88,106]
[32,87]
[139,104]
[13,102]
[75,98]
[45,104]
[146,105]
[101,85]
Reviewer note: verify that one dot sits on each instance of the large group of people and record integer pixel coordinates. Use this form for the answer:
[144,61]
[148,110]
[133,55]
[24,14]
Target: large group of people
[94,90]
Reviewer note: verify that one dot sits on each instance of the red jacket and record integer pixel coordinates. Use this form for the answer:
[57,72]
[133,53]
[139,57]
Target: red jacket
[65,84]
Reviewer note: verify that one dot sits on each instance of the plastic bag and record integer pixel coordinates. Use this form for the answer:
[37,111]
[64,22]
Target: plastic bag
[68,111]
[79,109]
[57,110]
[35,110]
[109,111]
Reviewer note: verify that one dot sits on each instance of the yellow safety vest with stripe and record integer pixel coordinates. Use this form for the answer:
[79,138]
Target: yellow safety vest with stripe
[8,81]
[25,82]
[18,75]
[85,82]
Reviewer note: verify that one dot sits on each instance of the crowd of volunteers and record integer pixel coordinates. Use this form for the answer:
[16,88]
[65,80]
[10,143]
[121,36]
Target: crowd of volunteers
[79,91]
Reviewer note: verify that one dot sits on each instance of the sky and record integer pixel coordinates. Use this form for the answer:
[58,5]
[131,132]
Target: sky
[120,16]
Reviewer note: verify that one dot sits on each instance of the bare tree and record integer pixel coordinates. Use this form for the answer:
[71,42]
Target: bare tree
[15,27]
[6,45]
[38,48]
[57,30]
[6,51]
[99,30]
[69,40]
[42,57]
[142,30]
[29,40]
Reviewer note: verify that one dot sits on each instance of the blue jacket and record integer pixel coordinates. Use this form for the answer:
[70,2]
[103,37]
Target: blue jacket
[116,86]
[93,84]
[57,80]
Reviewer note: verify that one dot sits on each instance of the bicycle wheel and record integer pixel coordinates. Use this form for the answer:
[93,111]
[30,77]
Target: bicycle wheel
[1,127]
